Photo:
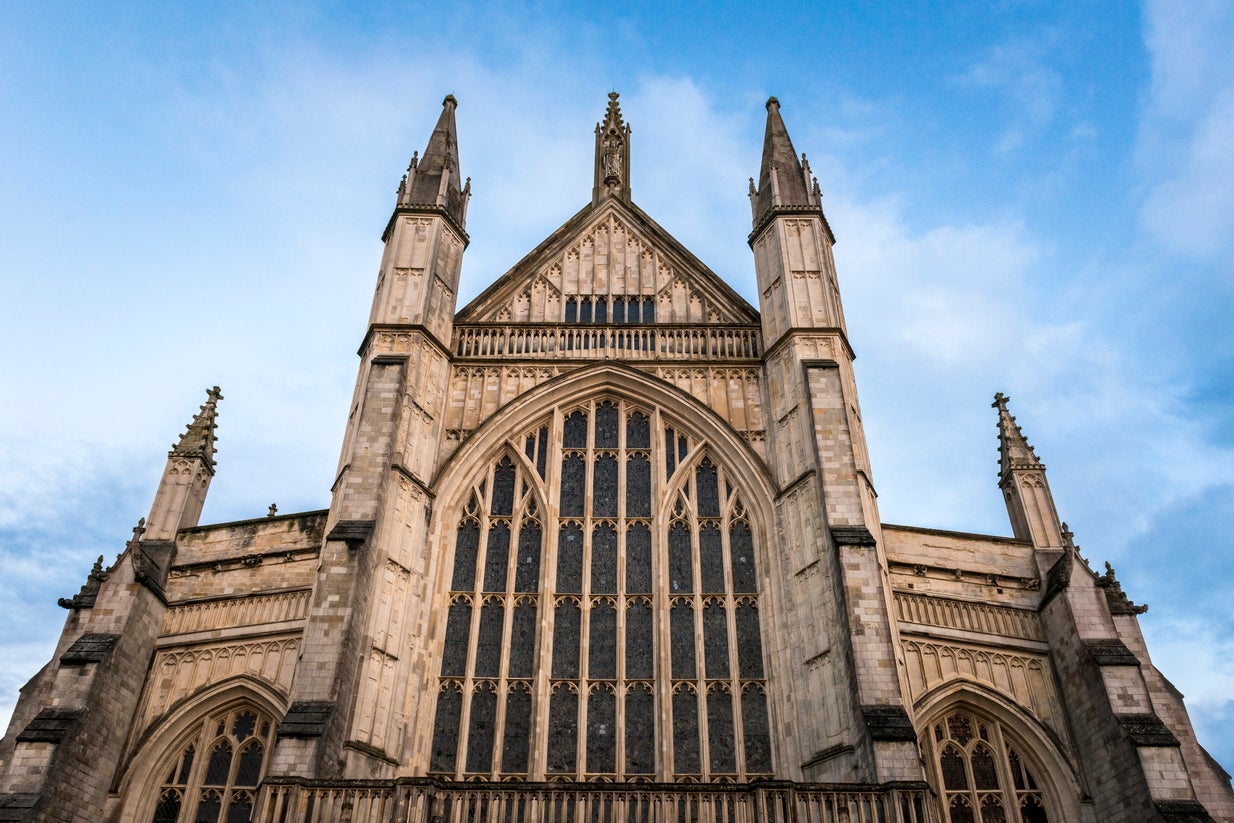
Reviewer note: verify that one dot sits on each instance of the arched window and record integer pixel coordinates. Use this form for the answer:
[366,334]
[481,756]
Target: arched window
[607,618]
[215,774]
[981,774]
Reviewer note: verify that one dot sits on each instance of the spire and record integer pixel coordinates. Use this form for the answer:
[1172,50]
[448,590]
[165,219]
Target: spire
[434,179]
[198,439]
[612,154]
[782,181]
[1013,449]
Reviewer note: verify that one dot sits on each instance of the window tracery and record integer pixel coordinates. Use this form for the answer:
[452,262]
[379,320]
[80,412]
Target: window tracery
[981,774]
[215,774]
[617,620]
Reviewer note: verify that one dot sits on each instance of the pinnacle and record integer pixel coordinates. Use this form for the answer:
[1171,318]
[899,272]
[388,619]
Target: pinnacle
[198,439]
[433,179]
[1014,452]
[781,179]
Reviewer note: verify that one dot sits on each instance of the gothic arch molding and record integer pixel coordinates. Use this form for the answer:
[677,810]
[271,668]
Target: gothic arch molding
[1039,743]
[165,737]
[705,440]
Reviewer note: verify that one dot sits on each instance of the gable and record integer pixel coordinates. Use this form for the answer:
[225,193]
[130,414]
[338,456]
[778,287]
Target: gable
[609,258]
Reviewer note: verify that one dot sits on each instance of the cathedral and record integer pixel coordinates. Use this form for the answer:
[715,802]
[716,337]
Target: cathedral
[603,545]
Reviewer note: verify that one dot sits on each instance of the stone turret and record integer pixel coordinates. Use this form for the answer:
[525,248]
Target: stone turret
[1022,480]
[186,477]
[612,155]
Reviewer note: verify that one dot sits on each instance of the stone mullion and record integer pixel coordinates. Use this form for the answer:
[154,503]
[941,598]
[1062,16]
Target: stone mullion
[662,687]
[1002,765]
[700,639]
[734,656]
[546,606]
[584,634]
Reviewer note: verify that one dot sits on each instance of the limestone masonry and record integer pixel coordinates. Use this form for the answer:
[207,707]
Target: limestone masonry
[603,545]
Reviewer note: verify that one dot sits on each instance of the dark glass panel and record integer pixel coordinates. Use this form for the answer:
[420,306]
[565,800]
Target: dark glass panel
[219,767]
[638,559]
[681,620]
[523,640]
[243,726]
[488,646]
[602,640]
[601,731]
[992,810]
[562,731]
[680,567]
[573,485]
[960,811]
[649,310]
[985,778]
[604,560]
[542,452]
[566,631]
[574,431]
[685,733]
[529,448]
[240,809]
[601,310]
[632,310]
[638,486]
[186,765]
[715,640]
[638,431]
[711,558]
[960,728]
[458,635]
[607,424]
[1032,810]
[249,771]
[721,740]
[497,557]
[168,808]
[954,776]
[757,731]
[749,641]
[585,313]
[741,543]
[619,310]
[445,729]
[708,489]
[517,738]
[604,487]
[480,732]
[527,575]
[503,489]
[670,453]
[1017,773]
[570,558]
[209,807]
[640,731]
[639,650]
[571,310]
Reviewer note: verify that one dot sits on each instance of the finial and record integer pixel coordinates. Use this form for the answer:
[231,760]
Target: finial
[772,101]
[451,101]
[138,531]
[273,510]
[415,160]
[753,191]
[1117,599]
[1000,401]
[1068,538]
[198,437]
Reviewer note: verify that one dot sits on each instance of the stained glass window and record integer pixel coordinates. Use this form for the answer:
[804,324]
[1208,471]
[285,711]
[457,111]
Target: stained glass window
[220,787]
[575,570]
[983,777]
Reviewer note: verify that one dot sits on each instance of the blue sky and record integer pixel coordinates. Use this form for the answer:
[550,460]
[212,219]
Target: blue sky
[1029,198]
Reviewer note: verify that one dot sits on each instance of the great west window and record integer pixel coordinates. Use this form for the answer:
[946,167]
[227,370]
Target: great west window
[613,633]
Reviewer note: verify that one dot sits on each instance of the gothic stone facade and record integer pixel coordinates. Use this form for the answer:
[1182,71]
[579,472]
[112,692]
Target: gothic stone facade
[603,545]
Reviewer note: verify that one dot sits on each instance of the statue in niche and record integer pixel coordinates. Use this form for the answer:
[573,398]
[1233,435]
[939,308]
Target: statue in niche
[612,158]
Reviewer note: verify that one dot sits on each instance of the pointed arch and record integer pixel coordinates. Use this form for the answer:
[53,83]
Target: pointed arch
[166,741]
[1024,740]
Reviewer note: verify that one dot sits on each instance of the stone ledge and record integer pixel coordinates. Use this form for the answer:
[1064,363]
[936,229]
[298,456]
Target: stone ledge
[306,718]
[888,723]
[853,536]
[17,806]
[1147,730]
[50,726]
[1112,652]
[352,532]
[1183,811]
[89,648]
